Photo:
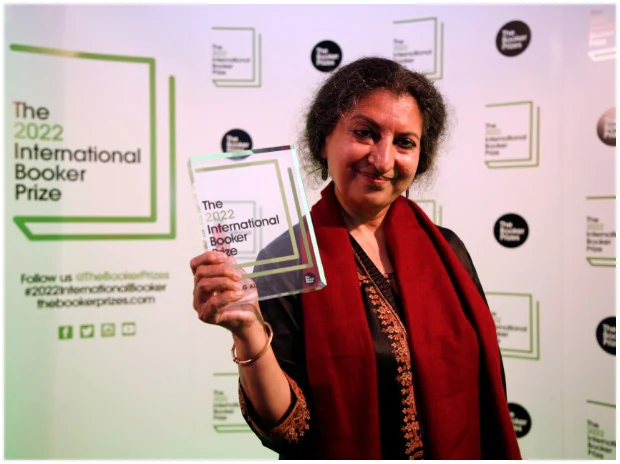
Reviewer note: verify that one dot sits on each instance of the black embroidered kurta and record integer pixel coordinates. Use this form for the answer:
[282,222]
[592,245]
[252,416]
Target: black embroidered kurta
[401,434]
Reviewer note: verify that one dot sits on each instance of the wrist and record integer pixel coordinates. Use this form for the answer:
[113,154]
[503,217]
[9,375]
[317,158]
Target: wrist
[249,333]
[242,356]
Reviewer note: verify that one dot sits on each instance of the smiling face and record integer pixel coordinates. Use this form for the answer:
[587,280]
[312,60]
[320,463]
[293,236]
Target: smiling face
[373,152]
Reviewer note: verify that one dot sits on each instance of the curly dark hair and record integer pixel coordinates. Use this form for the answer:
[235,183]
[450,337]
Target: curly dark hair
[350,84]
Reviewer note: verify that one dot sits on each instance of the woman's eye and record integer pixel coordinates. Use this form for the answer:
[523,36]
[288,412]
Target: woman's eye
[406,143]
[362,133]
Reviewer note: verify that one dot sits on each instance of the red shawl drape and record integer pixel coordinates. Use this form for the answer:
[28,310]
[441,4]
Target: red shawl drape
[454,351]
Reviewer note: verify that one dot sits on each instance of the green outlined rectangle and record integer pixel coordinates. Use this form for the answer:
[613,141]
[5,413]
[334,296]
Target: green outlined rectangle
[235,427]
[437,210]
[601,261]
[295,254]
[253,82]
[533,351]
[530,161]
[296,199]
[437,72]
[22,221]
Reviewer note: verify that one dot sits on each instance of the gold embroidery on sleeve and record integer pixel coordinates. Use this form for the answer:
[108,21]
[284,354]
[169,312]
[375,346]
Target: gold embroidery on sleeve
[292,429]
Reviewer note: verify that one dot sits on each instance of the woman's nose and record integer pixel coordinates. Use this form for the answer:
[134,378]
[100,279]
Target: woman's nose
[382,155]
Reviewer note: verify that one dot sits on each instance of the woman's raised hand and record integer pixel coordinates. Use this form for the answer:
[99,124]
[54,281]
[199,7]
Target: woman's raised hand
[216,285]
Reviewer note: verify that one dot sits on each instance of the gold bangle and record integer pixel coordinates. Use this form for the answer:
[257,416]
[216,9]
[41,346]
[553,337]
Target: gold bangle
[262,352]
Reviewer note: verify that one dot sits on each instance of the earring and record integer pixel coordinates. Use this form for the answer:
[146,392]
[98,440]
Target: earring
[407,193]
[324,169]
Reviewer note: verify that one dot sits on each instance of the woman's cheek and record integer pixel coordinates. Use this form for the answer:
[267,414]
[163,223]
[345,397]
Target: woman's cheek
[407,168]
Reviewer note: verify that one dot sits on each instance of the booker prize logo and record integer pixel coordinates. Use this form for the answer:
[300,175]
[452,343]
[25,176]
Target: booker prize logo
[513,38]
[511,230]
[326,56]
[236,140]
[521,420]
[606,127]
[309,278]
[606,334]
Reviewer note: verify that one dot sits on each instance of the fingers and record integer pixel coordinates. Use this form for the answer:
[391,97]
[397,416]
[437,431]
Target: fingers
[208,271]
[217,284]
[210,310]
[208,257]
[236,316]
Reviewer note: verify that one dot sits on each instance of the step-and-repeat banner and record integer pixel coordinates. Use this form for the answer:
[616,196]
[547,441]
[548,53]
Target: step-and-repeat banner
[105,357]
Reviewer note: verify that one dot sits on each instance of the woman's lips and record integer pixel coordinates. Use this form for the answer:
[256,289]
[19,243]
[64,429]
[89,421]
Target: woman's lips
[375,177]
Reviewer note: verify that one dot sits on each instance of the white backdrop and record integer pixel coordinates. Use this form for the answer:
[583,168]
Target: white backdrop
[113,373]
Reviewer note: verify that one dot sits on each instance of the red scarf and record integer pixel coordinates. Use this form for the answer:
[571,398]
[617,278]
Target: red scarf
[454,351]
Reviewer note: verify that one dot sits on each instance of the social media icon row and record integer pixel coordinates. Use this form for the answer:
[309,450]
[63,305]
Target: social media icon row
[107,329]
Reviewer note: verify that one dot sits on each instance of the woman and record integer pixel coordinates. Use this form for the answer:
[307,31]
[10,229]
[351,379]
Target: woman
[397,356]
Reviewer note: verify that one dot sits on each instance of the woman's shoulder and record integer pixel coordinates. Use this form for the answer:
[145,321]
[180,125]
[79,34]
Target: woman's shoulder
[451,237]
[459,248]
